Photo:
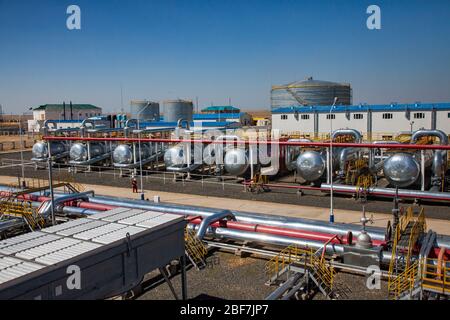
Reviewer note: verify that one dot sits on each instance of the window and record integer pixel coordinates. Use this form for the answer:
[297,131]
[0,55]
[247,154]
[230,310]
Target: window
[331,116]
[419,115]
[387,115]
[358,116]
[305,116]
[284,117]
[448,115]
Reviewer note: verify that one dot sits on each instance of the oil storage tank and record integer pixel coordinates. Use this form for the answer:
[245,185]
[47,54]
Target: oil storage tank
[310,92]
[144,110]
[175,110]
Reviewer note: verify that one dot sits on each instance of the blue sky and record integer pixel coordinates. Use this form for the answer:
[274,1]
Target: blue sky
[216,50]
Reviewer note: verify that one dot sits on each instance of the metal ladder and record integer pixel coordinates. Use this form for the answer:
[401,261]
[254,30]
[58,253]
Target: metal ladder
[195,249]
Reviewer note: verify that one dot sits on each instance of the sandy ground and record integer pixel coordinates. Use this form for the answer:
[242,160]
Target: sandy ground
[317,213]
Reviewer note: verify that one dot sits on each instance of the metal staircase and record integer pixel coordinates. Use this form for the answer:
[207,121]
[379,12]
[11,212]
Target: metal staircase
[24,210]
[195,249]
[309,263]
[410,279]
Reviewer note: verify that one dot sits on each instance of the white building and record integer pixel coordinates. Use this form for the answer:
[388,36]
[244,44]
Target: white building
[377,120]
[70,113]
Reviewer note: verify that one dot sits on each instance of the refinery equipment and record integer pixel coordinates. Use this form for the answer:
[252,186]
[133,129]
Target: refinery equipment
[59,149]
[135,154]
[404,169]
[310,92]
[87,153]
[311,164]
[407,251]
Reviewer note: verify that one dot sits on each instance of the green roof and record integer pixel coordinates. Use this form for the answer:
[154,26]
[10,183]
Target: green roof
[49,107]
[220,108]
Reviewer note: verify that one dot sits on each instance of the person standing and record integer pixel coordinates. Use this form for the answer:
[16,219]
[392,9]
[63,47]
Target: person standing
[134,185]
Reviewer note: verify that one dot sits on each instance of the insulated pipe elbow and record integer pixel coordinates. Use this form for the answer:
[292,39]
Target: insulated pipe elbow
[443,138]
[203,227]
[343,132]
[45,209]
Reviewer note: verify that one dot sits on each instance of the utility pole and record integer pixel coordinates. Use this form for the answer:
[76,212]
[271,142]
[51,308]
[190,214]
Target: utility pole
[50,182]
[330,162]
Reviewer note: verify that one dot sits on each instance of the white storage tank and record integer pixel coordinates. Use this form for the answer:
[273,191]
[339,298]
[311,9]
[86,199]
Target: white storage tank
[145,110]
[175,110]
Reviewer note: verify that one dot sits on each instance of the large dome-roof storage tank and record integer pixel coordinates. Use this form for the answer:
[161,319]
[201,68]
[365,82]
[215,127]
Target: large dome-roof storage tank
[144,110]
[175,110]
[310,92]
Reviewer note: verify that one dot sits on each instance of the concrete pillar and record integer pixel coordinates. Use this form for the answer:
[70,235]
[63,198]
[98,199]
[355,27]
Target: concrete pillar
[369,125]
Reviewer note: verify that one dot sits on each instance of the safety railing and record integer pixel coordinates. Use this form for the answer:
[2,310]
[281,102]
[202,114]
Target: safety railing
[24,210]
[393,263]
[293,255]
[196,250]
[404,282]
[436,275]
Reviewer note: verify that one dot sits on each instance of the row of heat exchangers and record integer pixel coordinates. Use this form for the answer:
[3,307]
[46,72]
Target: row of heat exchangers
[422,169]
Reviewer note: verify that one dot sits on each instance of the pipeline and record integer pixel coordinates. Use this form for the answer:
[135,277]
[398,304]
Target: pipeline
[272,142]
[390,192]
[340,229]
[207,221]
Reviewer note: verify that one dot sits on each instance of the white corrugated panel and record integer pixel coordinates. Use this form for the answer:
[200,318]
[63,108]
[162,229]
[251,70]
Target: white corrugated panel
[90,225]
[29,244]
[122,215]
[67,253]
[108,213]
[117,235]
[158,220]
[140,217]
[21,238]
[66,225]
[96,232]
[47,248]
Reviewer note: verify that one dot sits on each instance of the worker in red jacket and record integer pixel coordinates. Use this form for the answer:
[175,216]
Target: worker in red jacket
[134,185]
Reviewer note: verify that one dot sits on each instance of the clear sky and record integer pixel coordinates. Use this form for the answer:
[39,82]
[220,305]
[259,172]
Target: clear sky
[219,49]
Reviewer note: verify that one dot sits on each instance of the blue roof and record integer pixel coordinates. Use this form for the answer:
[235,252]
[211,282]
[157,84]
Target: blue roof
[364,108]
[192,124]
[212,116]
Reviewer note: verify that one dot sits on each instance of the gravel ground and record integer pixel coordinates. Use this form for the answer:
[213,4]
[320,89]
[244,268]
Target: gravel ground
[231,277]
[231,189]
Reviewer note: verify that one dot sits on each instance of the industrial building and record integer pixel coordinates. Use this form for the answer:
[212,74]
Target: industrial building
[382,120]
[221,109]
[72,112]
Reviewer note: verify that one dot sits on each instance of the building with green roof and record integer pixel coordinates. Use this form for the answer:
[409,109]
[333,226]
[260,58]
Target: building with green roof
[221,109]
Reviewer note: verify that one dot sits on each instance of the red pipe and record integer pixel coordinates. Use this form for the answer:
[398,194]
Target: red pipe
[286,186]
[293,233]
[94,206]
[272,142]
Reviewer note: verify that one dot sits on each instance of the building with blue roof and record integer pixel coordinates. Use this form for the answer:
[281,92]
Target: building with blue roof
[388,119]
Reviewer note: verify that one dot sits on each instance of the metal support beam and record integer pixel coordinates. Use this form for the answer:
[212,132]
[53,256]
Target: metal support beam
[183,278]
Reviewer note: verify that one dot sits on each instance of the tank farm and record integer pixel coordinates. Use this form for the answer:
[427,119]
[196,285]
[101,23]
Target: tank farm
[56,212]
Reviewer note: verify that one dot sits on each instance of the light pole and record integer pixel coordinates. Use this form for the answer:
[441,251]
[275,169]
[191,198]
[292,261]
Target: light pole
[139,142]
[21,150]
[411,124]
[330,161]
